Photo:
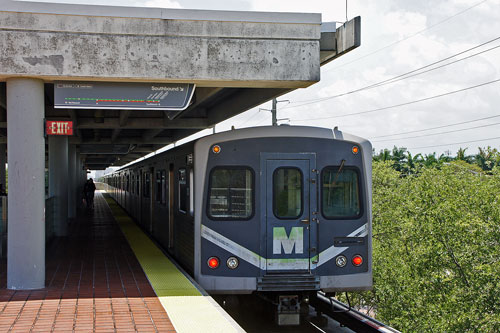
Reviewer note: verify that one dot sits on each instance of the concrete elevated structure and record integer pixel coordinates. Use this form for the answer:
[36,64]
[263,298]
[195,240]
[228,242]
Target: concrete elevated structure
[237,60]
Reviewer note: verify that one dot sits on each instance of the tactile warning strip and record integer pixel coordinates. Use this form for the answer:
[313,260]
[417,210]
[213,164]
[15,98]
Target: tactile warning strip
[188,310]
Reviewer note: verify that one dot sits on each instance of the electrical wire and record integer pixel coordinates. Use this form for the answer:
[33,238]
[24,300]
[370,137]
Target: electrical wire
[401,104]
[410,36]
[404,76]
[455,143]
[437,127]
[440,133]
[249,118]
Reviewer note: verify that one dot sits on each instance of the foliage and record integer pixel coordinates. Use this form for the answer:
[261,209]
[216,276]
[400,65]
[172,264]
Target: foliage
[436,249]
[402,160]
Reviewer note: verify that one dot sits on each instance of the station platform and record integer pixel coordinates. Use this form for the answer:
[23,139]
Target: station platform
[108,276]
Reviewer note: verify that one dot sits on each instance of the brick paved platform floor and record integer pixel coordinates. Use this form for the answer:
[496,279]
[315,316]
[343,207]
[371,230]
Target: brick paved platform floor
[94,283]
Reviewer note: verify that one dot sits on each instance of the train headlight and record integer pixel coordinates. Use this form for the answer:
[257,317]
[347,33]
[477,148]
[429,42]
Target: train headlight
[341,261]
[213,262]
[232,262]
[355,150]
[357,260]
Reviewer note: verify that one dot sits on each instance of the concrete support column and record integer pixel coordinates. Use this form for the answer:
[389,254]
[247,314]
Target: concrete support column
[26,159]
[3,160]
[58,181]
[72,181]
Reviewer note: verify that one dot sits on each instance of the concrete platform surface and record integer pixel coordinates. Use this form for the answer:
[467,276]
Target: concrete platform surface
[94,283]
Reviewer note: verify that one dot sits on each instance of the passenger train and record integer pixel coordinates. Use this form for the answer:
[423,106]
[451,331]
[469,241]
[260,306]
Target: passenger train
[282,211]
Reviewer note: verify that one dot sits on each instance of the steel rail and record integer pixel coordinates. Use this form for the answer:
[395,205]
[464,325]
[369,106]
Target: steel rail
[348,316]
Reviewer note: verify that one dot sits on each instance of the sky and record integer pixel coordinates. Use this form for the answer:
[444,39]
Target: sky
[397,37]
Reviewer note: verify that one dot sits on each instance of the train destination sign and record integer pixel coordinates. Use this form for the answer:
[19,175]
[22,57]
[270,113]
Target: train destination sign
[123,95]
[59,127]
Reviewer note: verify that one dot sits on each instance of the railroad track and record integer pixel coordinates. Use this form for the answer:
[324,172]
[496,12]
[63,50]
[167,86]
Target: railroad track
[347,316]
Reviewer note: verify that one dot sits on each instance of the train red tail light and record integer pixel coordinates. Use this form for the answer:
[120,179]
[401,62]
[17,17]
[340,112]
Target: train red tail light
[213,262]
[357,260]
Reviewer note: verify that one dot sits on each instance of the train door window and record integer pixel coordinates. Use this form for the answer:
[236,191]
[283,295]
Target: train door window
[132,187]
[146,185]
[128,183]
[159,187]
[340,193]
[137,184]
[287,193]
[164,186]
[183,190]
[230,193]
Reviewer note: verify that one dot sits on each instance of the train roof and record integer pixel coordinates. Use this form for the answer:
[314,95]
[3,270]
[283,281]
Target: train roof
[268,131]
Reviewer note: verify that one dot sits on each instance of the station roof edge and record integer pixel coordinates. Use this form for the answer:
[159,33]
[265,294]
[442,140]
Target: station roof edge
[159,13]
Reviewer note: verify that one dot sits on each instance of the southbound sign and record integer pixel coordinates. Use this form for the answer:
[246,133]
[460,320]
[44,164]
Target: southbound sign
[58,127]
[123,95]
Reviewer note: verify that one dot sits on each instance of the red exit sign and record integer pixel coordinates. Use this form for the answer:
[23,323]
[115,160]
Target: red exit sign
[59,127]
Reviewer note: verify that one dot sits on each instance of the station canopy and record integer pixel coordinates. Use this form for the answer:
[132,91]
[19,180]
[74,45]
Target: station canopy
[133,80]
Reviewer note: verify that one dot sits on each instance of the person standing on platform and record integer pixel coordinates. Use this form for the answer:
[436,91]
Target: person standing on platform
[89,191]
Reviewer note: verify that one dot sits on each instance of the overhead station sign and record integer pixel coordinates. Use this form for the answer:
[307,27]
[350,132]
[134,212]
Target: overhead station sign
[123,95]
[53,127]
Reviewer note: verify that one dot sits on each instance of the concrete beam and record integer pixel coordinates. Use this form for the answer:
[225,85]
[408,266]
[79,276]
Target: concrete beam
[151,133]
[134,140]
[116,133]
[142,123]
[124,117]
[334,44]
[201,95]
[245,99]
[214,53]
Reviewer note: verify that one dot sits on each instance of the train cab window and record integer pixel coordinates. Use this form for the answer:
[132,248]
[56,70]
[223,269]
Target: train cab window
[230,193]
[183,191]
[287,193]
[340,193]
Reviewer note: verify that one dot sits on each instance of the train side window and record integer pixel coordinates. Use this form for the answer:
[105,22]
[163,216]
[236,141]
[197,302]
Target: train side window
[230,193]
[287,193]
[183,190]
[191,192]
[340,193]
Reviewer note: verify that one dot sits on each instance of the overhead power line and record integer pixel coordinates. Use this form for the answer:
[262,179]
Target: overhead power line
[404,76]
[402,104]
[440,133]
[410,36]
[455,143]
[437,127]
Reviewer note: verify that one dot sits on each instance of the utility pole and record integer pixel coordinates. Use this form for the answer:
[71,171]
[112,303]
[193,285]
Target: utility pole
[273,111]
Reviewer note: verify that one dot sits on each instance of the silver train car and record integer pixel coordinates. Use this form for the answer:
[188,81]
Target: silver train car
[274,210]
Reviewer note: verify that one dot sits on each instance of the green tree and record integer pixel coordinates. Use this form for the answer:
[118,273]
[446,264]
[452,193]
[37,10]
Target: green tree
[436,249]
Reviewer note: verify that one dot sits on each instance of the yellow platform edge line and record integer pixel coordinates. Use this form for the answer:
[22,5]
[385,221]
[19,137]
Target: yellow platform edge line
[164,277]
[187,309]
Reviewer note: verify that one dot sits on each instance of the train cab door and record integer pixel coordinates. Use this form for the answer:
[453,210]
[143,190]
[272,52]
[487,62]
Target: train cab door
[290,203]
